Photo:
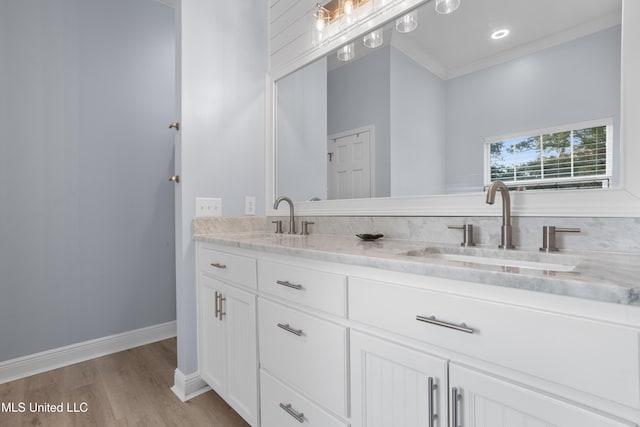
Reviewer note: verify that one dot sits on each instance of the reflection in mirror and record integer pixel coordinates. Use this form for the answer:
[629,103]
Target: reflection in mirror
[415,115]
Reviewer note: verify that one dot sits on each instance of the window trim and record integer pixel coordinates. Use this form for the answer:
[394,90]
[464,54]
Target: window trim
[608,122]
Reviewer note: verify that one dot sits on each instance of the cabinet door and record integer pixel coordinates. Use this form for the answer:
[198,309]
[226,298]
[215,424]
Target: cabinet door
[212,336]
[484,400]
[390,385]
[239,310]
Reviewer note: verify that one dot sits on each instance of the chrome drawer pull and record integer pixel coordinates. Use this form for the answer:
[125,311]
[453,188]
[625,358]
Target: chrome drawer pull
[462,327]
[431,388]
[455,398]
[288,284]
[288,328]
[295,414]
[217,265]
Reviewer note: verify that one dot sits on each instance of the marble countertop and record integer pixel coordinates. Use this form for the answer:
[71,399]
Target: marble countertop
[604,277]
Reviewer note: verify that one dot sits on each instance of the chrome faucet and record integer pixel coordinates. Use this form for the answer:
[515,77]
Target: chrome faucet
[292,219]
[505,238]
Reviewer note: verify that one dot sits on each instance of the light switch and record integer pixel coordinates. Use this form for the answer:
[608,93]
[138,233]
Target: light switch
[208,206]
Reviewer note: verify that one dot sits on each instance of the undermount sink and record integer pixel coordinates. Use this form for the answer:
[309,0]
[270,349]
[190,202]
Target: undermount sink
[510,259]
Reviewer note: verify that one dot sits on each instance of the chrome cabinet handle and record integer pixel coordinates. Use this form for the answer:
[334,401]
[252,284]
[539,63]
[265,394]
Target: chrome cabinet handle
[462,327]
[299,416]
[288,284]
[174,125]
[219,299]
[455,398]
[217,304]
[175,178]
[288,328]
[218,265]
[431,388]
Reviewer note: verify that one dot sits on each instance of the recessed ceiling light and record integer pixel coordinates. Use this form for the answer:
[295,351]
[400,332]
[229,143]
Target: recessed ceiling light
[500,34]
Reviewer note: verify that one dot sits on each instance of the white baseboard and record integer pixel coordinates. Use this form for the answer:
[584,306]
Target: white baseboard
[64,356]
[188,386]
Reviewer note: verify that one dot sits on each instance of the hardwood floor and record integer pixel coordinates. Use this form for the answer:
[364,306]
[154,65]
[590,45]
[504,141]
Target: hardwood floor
[130,388]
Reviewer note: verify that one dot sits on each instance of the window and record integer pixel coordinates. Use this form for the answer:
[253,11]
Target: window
[572,156]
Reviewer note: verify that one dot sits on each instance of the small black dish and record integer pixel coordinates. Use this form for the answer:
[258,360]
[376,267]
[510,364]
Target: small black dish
[370,236]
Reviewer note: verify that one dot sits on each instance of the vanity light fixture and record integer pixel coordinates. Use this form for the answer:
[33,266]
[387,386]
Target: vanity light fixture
[373,39]
[408,22]
[500,34]
[347,52]
[444,7]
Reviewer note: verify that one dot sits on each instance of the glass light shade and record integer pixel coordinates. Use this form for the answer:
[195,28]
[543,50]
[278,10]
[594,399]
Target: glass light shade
[321,25]
[447,6]
[407,23]
[347,52]
[373,39]
[322,19]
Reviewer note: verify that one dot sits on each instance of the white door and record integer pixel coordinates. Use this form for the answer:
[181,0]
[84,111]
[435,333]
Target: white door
[349,166]
[390,385]
[484,400]
[239,310]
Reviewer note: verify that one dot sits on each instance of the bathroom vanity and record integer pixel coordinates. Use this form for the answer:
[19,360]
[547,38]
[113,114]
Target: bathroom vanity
[332,331]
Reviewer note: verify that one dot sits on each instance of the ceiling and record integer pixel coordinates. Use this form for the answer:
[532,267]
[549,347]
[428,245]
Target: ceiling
[459,43]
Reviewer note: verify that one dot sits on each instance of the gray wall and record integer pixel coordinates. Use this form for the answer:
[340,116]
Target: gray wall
[417,128]
[222,68]
[548,88]
[301,126]
[86,212]
[358,96]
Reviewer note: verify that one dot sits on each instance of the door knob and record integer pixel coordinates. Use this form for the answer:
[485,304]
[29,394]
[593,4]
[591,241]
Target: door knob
[174,125]
[175,178]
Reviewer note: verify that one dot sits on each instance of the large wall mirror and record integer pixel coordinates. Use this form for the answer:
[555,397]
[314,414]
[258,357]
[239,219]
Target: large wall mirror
[416,115]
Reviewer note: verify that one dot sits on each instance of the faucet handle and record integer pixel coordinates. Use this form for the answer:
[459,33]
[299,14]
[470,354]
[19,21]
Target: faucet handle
[467,233]
[278,224]
[305,227]
[549,237]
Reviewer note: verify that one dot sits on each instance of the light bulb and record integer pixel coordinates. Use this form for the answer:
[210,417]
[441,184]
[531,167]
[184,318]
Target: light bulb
[348,7]
[320,24]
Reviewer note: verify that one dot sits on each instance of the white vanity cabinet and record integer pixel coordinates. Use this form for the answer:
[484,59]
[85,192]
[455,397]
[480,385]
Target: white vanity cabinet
[584,356]
[343,346]
[227,352]
[303,346]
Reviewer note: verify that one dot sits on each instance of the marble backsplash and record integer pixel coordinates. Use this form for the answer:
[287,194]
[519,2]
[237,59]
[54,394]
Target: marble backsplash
[597,234]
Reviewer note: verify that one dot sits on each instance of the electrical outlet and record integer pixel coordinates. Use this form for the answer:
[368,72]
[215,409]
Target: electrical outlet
[249,205]
[207,206]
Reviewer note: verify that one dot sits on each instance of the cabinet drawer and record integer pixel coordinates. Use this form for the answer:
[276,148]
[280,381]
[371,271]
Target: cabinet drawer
[317,289]
[232,268]
[306,352]
[283,407]
[594,357]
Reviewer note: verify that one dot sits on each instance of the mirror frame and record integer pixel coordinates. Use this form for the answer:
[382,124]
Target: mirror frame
[616,202]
